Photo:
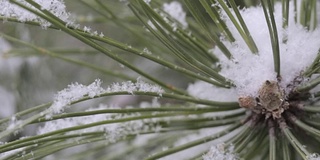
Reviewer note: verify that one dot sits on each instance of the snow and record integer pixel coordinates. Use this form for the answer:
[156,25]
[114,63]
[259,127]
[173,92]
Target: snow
[6,155]
[56,7]
[220,152]
[87,29]
[131,87]
[249,71]
[101,35]
[314,156]
[77,91]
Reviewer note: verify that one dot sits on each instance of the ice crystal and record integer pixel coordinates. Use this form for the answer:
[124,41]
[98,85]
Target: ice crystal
[87,29]
[101,35]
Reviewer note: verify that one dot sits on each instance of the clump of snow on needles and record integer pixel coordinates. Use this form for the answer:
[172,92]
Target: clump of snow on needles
[313,156]
[220,152]
[56,7]
[249,71]
[74,92]
[7,101]
[77,91]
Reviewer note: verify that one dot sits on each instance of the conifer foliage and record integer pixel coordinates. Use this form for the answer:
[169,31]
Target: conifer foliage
[191,79]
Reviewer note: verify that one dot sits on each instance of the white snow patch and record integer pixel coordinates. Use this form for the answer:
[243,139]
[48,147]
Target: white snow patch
[56,7]
[249,71]
[313,156]
[6,155]
[77,91]
[220,152]
[74,92]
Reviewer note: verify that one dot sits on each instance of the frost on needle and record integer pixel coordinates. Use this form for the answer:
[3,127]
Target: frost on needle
[56,7]
[77,91]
